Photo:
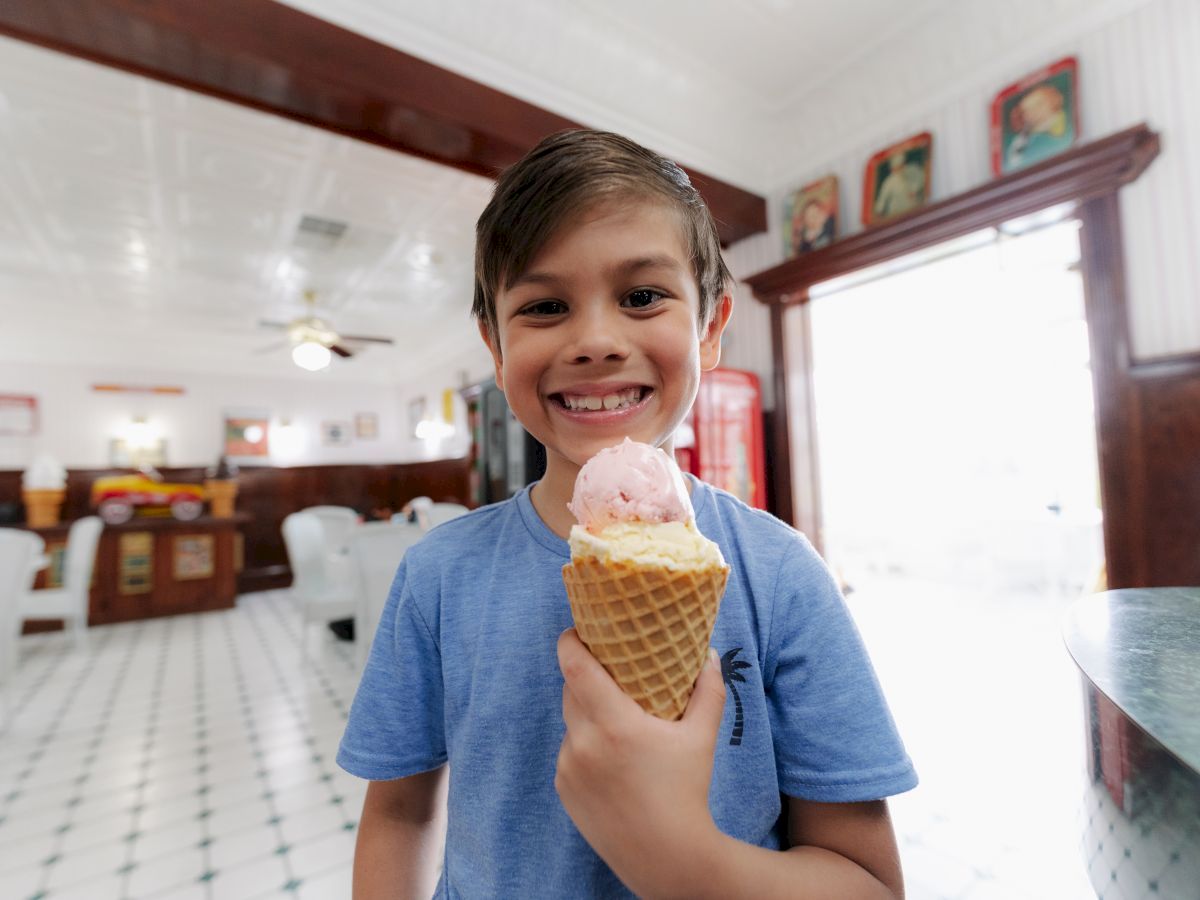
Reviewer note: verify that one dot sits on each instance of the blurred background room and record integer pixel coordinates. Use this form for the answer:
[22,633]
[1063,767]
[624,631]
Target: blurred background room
[238,378]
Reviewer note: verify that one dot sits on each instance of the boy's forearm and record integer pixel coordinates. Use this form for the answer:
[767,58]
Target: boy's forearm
[400,837]
[394,859]
[726,867]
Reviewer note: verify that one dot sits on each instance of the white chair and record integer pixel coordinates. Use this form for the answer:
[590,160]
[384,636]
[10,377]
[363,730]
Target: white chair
[443,512]
[377,549]
[337,523]
[20,554]
[324,594]
[69,602]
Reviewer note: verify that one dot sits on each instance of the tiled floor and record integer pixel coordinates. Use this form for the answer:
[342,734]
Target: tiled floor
[179,758]
[192,757]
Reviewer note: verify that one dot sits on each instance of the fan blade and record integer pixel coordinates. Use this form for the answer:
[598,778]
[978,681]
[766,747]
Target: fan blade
[340,351]
[271,348]
[365,339]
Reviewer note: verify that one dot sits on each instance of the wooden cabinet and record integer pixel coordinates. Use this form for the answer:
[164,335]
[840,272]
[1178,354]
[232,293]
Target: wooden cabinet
[155,566]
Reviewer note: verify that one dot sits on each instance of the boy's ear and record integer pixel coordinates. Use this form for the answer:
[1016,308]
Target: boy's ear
[493,345]
[710,341]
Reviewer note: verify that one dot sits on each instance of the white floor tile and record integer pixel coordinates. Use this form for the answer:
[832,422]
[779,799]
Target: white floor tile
[97,861]
[20,882]
[333,884]
[175,870]
[251,879]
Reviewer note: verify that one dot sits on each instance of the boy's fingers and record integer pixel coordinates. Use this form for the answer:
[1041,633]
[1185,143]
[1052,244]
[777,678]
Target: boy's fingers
[592,689]
[708,697]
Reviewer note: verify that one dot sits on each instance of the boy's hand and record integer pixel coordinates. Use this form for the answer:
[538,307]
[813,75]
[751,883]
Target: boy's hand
[637,786]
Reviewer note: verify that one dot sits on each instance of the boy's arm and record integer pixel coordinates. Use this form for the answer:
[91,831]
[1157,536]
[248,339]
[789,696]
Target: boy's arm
[637,789]
[400,837]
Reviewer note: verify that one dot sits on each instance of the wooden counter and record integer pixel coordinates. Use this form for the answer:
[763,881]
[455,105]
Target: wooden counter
[158,566]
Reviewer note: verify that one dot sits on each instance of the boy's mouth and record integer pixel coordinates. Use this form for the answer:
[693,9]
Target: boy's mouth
[613,401]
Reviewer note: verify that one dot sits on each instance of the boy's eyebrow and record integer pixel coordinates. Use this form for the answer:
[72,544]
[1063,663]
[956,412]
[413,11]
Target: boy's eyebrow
[625,267]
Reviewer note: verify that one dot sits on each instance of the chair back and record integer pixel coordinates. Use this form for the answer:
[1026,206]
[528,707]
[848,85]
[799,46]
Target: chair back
[338,522]
[377,549]
[304,539]
[18,552]
[79,561]
[443,512]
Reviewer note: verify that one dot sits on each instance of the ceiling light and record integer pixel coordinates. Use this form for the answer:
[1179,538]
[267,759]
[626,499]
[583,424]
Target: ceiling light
[311,355]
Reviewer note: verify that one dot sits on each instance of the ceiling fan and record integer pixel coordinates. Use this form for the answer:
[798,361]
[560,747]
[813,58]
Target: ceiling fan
[314,340]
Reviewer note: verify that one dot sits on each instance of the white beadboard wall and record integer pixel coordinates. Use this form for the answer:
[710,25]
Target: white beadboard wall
[1141,66]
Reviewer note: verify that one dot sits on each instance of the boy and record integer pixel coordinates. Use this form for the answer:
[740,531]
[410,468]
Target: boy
[601,293]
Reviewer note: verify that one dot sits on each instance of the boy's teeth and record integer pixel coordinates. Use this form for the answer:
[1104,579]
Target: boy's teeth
[618,400]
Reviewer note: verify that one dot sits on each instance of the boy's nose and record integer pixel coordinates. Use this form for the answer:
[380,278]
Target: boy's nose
[597,336]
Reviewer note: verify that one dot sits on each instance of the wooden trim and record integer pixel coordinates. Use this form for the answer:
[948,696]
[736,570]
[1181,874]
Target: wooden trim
[1087,171]
[780,461]
[1185,364]
[277,59]
[1119,437]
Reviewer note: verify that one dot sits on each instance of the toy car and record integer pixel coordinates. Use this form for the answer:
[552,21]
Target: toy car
[117,497]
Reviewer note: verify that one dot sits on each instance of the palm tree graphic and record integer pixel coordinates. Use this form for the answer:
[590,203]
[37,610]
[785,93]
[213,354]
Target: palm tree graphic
[729,671]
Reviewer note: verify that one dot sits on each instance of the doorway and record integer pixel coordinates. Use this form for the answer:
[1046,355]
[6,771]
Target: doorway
[959,495]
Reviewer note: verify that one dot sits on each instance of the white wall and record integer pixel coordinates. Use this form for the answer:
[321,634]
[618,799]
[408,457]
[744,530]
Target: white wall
[76,423]
[1137,63]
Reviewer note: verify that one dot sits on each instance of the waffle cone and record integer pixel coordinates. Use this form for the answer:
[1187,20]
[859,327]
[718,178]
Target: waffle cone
[649,626]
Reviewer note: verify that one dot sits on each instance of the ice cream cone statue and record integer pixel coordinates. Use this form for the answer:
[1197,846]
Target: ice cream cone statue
[221,487]
[43,489]
[643,583]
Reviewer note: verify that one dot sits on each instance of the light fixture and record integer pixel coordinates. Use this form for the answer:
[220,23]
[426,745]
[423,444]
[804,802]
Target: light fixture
[311,355]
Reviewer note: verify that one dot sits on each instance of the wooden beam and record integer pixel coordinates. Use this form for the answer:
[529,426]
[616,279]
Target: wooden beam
[274,58]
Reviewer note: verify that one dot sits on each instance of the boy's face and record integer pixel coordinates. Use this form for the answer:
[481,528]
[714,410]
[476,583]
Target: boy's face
[599,339]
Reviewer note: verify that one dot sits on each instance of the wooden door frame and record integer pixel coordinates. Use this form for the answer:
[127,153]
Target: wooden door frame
[1087,178]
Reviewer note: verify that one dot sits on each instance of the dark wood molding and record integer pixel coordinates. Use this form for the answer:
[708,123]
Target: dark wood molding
[1147,414]
[1090,170]
[277,59]
[1119,438]
[780,449]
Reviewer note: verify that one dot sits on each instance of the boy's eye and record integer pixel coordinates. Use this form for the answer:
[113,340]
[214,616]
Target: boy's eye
[643,298]
[545,308]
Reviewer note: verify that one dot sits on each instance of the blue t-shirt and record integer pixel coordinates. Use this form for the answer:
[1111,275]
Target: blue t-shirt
[463,670]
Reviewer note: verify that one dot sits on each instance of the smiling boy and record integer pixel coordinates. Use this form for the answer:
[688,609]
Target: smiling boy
[602,295]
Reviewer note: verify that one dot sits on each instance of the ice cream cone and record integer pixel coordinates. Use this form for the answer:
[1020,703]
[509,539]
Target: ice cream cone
[42,506]
[221,494]
[649,626]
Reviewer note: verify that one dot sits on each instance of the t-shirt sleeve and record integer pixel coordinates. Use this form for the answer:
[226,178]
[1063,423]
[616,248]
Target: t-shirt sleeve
[395,728]
[835,740]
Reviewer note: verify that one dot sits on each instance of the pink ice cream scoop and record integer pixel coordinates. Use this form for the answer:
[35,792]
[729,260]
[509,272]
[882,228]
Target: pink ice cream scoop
[630,482]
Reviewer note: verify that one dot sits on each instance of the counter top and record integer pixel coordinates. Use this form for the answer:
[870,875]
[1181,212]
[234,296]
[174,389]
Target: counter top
[1141,648]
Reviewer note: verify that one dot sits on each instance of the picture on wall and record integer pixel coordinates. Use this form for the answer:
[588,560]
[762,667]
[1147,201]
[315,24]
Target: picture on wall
[897,179]
[366,426]
[122,455]
[246,436]
[1035,118]
[810,217]
[18,415]
[335,434]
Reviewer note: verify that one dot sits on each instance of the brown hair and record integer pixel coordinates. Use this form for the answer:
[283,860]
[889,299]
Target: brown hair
[569,172]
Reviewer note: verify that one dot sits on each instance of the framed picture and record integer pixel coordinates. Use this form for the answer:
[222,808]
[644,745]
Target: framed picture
[1035,118]
[335,434]
[18,415]
[366,426]
[193,557]
[810,217]
[122,456]
[416,415]
[897,179]
[246,436]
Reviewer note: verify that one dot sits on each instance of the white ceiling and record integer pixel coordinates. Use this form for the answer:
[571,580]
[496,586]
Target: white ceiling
[144,225]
